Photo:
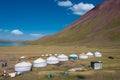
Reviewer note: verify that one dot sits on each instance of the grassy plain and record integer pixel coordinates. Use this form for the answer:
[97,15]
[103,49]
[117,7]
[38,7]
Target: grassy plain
[110,71]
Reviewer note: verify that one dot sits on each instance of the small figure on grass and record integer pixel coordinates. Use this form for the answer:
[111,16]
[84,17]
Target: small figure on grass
[50,75]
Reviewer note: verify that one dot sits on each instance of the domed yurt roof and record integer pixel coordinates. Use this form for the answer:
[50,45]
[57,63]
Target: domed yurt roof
[73,55]
[89,53]
[52,58]
[97,53]
[62,56]
[24,64]
[22,57]
[39,60]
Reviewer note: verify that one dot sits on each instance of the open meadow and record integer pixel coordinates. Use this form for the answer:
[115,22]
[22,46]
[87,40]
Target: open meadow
[110,71]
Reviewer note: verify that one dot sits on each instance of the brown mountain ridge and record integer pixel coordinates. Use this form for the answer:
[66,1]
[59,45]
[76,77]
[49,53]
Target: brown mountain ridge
[101,25]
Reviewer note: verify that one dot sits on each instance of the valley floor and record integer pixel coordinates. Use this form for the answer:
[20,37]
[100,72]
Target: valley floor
[110,71]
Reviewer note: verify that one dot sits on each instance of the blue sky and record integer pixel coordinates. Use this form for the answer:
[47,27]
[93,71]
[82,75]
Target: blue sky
[31,19]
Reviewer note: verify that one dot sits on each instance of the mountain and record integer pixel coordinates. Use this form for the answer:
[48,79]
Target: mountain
[101,25]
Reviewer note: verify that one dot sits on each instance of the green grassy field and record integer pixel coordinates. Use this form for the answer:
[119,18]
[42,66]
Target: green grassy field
[110,71]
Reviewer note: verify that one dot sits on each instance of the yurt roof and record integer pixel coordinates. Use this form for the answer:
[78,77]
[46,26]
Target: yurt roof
[74,55]
[23,57]
[89,53]
[24,64]
[62,56]
[97,53]
[52,58]
[39,60]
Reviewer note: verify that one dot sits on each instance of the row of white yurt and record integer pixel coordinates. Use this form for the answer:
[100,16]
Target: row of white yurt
[90,54]
[49,55]
[62,57]
[26,66]
[39,63]
[23,66]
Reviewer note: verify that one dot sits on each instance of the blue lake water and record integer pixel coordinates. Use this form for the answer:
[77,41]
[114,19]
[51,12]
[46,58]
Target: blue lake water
[12,44]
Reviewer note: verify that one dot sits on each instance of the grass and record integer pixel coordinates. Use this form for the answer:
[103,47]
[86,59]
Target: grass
[110,71]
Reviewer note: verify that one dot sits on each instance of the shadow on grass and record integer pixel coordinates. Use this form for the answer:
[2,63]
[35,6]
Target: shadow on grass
[81,77]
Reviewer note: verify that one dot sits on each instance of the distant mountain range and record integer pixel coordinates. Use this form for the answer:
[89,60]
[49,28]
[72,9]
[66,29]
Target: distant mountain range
[101,25]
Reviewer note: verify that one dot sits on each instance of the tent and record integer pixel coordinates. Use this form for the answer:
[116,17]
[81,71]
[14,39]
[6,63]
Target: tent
[73,57]
[83,56]
[46,55]
[62,57]
[50,54]
[89,54]
[42,55]
[39,63]
[23,66]
[55,54]
[52,60]
[97,54]
[96,64]
[23,57]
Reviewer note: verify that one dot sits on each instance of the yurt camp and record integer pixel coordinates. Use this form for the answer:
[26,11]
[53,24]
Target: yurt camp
[23,66]
[73,57]
[97,54]
[89,54]
[52,60]
[62,57]
[39,63]
[83,56]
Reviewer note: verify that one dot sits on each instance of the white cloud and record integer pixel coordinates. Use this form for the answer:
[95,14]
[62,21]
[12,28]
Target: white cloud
[65,3]
[81,8]
[36,35]
[17,32]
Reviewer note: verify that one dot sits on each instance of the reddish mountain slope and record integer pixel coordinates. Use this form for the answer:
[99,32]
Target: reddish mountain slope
[99,25]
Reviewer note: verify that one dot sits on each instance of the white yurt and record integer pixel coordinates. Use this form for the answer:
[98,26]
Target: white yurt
[62,57]
[46,55]
[50,54]
[39,63]
[23,57]
[23,66]
[83,56]
[42,55]
[56,54]
[89,54]
[73,57]
[97,54]
[52,60]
